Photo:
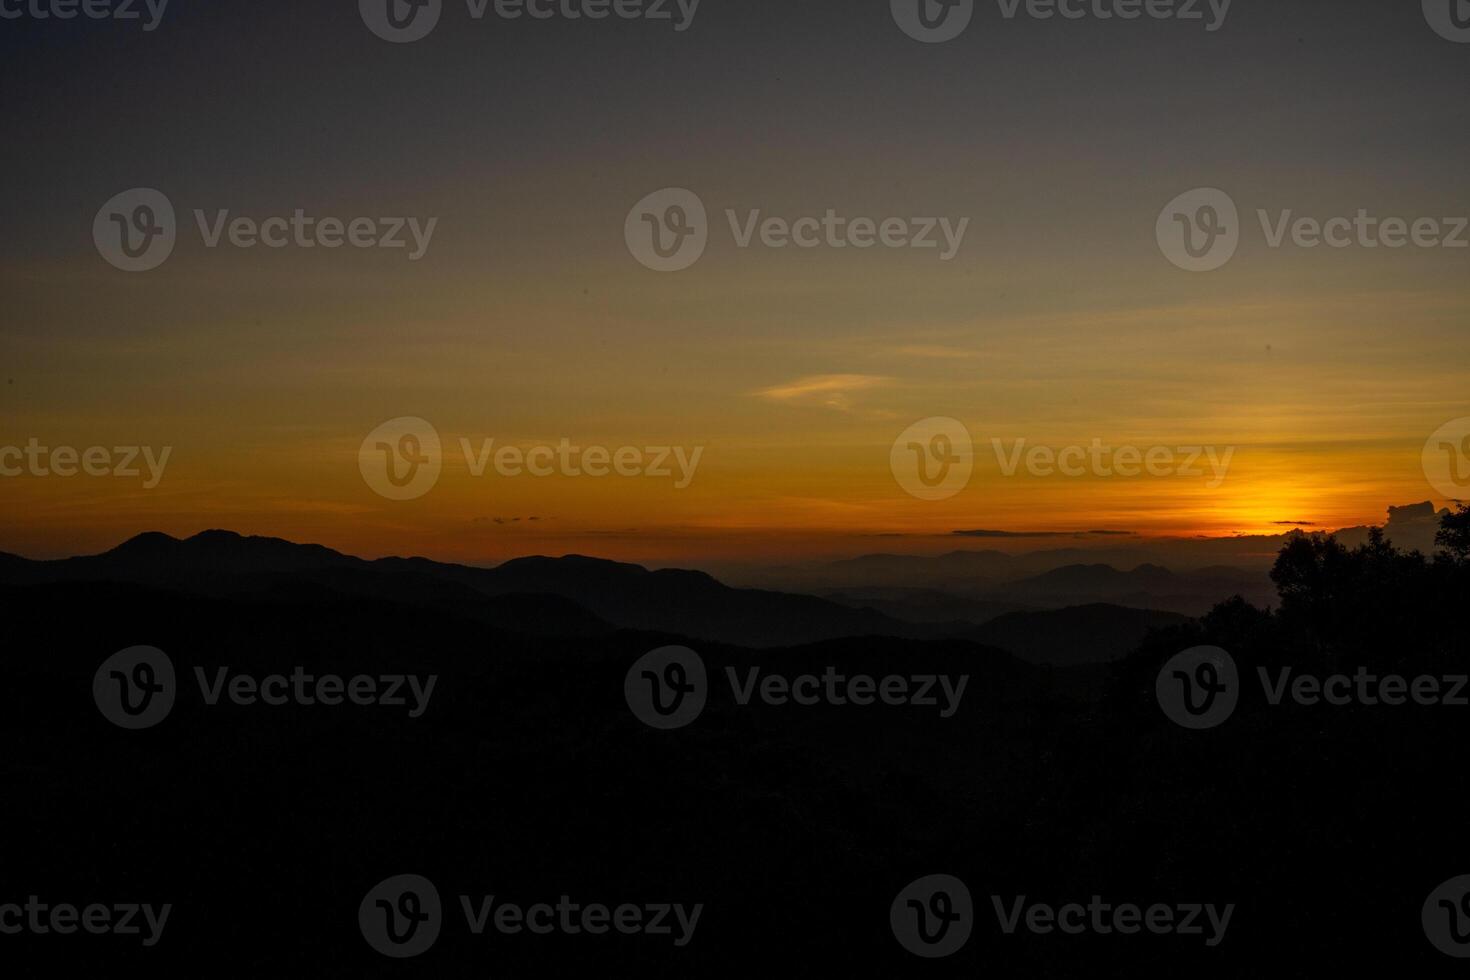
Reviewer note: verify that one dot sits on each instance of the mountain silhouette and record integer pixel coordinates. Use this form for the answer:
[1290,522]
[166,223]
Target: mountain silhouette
[1146,586]
[1058,777]
[924,605]
[993,581]
[223,563]
[1089,634]
[575,595]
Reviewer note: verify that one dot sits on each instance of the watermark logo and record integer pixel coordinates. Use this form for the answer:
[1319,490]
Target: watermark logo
[1103,918]
[668,230]
[1365,688]
[673,919]
[570,460]
[401,21]
[302,230]
[1446,459]
[1199,688]
[118,10]
[35,459]
[1103,459]
[135,688]
[933,916]
[401,459]
[832,687]
[1446,917]
[302,688]
[933,21]
[1362,230]
[836,231]
[1449,18]
[1199,230]
[936,21]
[667,688]
[933,458]
[40,918]
[136,230]
[401,916]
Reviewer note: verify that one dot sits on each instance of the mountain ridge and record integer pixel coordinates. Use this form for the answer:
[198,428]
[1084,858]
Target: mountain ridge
[581,595]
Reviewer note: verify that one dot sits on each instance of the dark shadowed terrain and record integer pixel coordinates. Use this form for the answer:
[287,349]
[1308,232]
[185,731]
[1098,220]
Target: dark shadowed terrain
[527,776]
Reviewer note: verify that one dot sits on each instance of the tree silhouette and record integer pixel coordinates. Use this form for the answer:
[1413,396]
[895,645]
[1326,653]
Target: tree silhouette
[1454,534]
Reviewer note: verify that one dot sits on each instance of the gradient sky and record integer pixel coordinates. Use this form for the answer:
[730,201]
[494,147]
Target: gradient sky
[528,321]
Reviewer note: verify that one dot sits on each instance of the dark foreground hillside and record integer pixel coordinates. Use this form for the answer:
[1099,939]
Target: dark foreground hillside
[528,777]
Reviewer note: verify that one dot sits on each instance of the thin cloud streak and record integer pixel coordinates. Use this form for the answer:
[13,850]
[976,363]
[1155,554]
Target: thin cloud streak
[829,390]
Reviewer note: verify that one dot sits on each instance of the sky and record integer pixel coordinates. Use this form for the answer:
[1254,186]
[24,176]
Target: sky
[1057,322]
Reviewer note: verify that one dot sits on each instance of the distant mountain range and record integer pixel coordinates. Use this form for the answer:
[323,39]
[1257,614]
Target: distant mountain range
[1182,575]
[924,605]
[1145,587]
[979,585]
[573,594]
[580,596]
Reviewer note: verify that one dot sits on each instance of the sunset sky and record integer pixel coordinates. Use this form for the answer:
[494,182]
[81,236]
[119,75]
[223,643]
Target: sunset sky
[528,321]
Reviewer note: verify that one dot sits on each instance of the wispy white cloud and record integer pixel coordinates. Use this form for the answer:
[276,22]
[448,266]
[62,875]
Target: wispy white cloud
[829,390]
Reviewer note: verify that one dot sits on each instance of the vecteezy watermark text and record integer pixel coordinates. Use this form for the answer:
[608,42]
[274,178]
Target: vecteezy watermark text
[933,459]
[403,458]
[303,231]
[1200,230]
[63,918]
[403,916]
[668,231]
[35,459]
[136,688]
[119,10]
[668,688]
[137,230]
[1101,918]
[1102,459]
[934,917]
[937,21]
[568,459]
[404,21]
[1200,687]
